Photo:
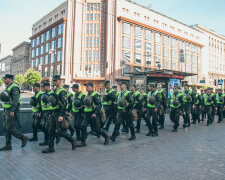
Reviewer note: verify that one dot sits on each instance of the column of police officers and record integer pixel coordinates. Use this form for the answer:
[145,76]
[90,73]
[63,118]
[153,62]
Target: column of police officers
[54,108]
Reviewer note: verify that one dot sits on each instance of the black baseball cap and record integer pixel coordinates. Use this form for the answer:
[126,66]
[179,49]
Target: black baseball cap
[66,86]
[56,77]
[151,85]
[89,84]
[10,76]
[36,85]
[45,84]
[75,86]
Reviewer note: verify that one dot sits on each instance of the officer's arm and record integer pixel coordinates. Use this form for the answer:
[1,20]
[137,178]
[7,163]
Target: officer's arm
[39,102]
[63,100]
[200,99]
[158,100]
[113,96]
[98,103]
[214,100]
[82,100]
[15,98]
[130,101]
[181,102]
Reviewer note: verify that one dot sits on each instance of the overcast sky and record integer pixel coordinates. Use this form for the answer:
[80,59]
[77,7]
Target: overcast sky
[18,16]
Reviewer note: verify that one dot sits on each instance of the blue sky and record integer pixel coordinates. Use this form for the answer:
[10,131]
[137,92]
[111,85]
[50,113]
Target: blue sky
[17,16]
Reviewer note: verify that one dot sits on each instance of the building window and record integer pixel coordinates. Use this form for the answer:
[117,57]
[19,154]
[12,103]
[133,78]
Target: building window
[137,69]
[174,65]
[194,69]
[58,69]
[47,47]
[181,45]
[165,52]
[91,17]
[53,32]
[47,59]
[187,67]
[137,58]
[126,56]
[47,35]
[53,45]
[187,47]
[187,57]
[157,50]
[166,63]
[173,43]
[193,49]
[198,50]
[126,70]
[166,40]
[148,35]
[193,59]
[37,51]
[148,48]
[148,60]
[42,38]
[60,42]
[38,40]
[126,28]
[173,54]
[60,29]
[59,56]
[37,62]
[46,71]
[157,61]
[33,53]
[52,71]
[137,45]
[87,28]
[52,57]
[137,32]
[33,43]
[126,42]
[199,61]
[33,64]
[88,17]
[157,38]
[42,60]
[42,50]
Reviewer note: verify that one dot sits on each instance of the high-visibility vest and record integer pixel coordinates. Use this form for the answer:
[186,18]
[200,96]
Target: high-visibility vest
[124,97]
[151,95]
[36,108]
[8,105]
[75,109]
[57,92]
[196,96]
[108,103]
[173,97]
[68,95]
[46,106]
[217,98]
[185,94]
[135,94]
[206,103]
[93,107]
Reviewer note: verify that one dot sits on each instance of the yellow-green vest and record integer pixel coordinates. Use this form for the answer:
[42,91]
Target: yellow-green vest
[36,108]
[151,95]
[108,103]
[46,106]
[75,109]
[93,107]
[173,97]
[124,97]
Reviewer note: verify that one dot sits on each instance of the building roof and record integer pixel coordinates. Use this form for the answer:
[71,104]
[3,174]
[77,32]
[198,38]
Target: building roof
[21,44]
[9,56]
[164,15]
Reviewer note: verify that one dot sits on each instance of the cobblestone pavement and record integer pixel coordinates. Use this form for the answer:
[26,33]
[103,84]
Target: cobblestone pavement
[194,153]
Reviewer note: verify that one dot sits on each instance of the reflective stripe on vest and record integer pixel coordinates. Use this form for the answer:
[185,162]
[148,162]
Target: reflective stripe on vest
[151,95]
[196,96]
[75,109]
[124,97]
[186,94]
[135,94]
[36,108]
[57,92]
[217,99]
[8,89]
[109,103]
[173,97]
[205,100]
[46,106]
[93,107]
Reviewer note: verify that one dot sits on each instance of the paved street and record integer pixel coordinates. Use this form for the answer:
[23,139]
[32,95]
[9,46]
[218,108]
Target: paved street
[194,153]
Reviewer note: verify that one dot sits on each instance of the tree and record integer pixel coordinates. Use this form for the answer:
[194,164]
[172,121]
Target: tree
[32,76]
[1,81]
[19,79]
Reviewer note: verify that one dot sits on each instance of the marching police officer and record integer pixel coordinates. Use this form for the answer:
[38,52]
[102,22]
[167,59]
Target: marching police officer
[37,113]
[176,107]
[137,104]
[196,108]
[152,105]
[220,105]
[93,105]
[209,101]
[163,105]
[124,106]
[109,98]
[78,109]
[69,105]
[203,93]
[59,117]
[11,98]
[187,97]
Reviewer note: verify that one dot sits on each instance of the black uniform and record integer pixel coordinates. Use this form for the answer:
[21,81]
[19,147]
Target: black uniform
[187,108]
[162,108]
[220,106]
[196,111]
[209,102]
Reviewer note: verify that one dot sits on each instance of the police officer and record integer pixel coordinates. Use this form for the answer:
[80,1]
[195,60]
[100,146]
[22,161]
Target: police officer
[220,105]
[187,97]
[11,99]
[46,111]
[163,105]
[109,97]
[176,107]
[152,105]
[214,105]
[37,113]
[209,101]
[78,109]
[124,107]
[197,105]
[93,105]
[203,93]
[137,103]
[142,100]
[59,113]
[69,105]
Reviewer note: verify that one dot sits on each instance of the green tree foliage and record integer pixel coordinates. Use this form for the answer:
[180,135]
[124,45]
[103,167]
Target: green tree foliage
[19,79]
[1,81]
[32,76]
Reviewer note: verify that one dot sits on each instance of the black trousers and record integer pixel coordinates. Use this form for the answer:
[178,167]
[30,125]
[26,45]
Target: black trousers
[213,112]
[37,124]
[208,110]
[196,113]
[8,126]
[95,126]
[203,113]
[110,116]
[78,119]
[175,116]
[151,120]
[123,117]
[141,115]
[55,128]
[161,114]
[187,113]
[220,112]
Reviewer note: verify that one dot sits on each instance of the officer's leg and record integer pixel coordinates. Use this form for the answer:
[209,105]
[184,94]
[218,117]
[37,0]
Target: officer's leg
[161,117]
[154,123]
[34,127]
[209,114]
[117,126]
[84,126]
[77,125]
[139,113]
[109,117]
[220,113]
[176,118]
[130,124]
[148,121]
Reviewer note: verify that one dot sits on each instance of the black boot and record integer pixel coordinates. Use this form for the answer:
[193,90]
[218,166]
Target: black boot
[174,130]
[113,138]
[7,147]
[49,150]
[149,133]
[74,144]
[106,140]
[45,143]
[161,127]
[33,139]
[137,130]
[154,134]
[24,141]
[82,144]
[133,137]
[57,139]
[72,131]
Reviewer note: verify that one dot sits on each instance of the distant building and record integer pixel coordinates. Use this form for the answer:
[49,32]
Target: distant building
[48,42]
[20,62]
[5,66]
